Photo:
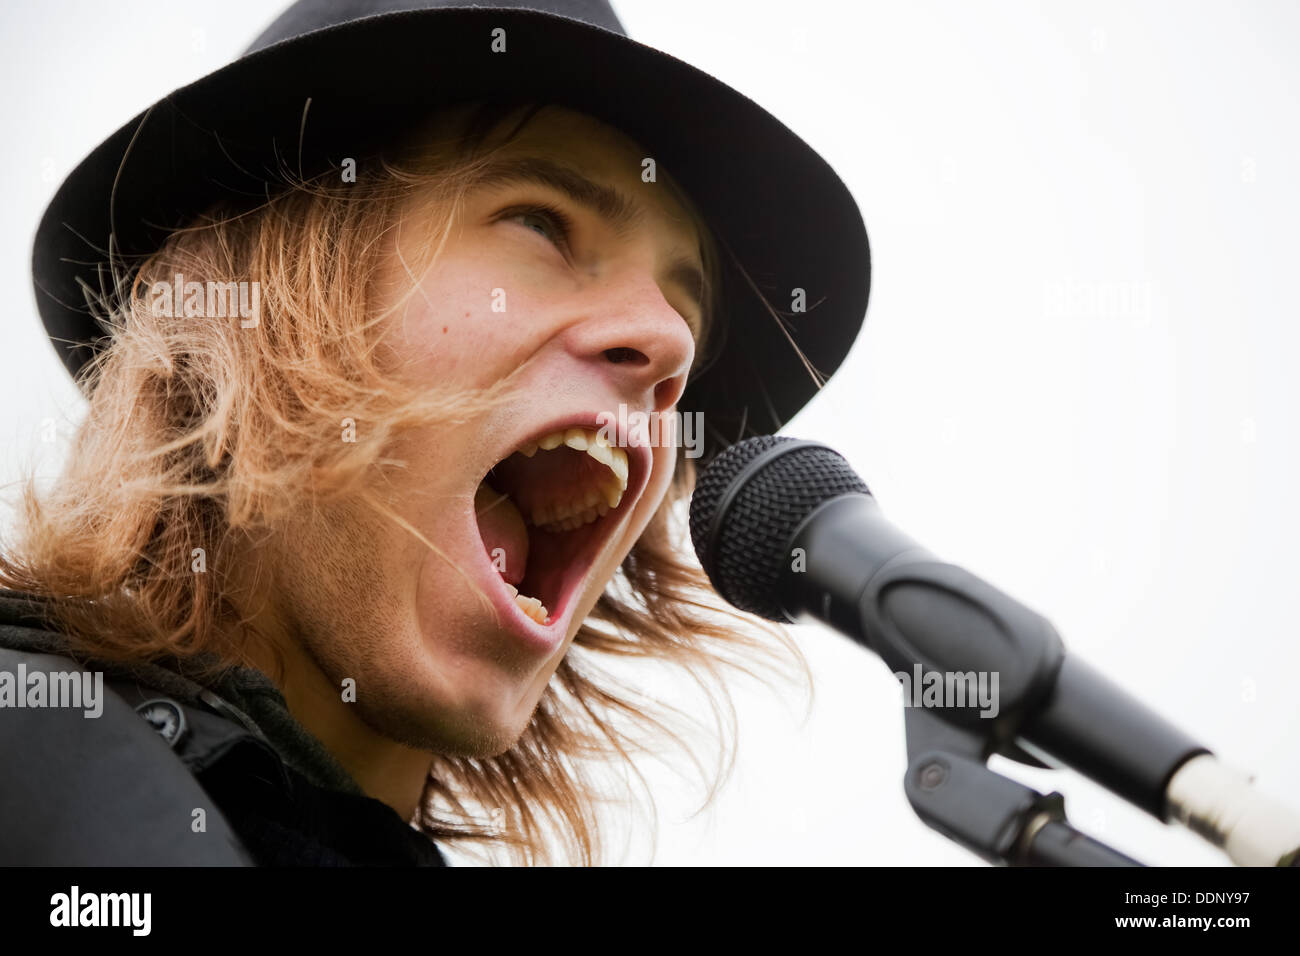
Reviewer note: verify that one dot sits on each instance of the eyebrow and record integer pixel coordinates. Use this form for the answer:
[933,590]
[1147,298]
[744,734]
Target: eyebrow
[605,201]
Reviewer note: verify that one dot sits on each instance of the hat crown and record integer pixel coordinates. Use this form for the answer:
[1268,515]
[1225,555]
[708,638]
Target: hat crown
[307,16]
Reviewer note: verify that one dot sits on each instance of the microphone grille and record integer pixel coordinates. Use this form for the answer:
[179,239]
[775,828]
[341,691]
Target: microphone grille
[746,507]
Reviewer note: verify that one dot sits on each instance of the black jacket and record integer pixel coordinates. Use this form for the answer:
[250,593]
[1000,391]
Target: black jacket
[172,772]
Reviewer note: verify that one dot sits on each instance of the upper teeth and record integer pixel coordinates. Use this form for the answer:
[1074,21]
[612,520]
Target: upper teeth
[595,504]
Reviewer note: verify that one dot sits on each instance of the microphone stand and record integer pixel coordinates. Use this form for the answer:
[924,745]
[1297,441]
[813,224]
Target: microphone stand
[953,791]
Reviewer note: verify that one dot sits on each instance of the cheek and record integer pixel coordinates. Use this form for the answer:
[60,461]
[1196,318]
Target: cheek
[465,317]
[458,323]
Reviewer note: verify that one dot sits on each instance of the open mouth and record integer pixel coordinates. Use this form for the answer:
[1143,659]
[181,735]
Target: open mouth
[545,511]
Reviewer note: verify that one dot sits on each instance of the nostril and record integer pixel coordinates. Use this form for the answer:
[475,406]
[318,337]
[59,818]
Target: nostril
[621,355]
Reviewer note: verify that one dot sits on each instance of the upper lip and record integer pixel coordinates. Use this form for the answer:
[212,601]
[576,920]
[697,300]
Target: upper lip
[638,456]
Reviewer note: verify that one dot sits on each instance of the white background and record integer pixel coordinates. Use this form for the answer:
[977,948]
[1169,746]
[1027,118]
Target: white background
[1124,466]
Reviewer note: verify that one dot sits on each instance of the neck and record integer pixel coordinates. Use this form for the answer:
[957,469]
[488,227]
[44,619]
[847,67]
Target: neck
[386,770]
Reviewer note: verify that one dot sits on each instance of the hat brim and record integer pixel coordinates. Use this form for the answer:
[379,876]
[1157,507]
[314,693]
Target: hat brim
[771,199]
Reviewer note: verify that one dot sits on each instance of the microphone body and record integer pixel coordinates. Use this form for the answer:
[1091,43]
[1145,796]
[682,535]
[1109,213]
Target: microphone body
[873,583]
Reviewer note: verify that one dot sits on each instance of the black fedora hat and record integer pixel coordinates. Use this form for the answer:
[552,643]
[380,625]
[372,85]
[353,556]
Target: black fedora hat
[367,68]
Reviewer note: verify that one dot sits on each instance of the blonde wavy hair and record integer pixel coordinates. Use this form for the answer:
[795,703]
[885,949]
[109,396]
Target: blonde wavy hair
[206,432]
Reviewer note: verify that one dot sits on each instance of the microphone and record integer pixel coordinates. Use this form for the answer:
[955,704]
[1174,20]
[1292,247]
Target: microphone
[785,529]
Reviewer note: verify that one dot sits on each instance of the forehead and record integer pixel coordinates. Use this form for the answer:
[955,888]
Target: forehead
[607,158]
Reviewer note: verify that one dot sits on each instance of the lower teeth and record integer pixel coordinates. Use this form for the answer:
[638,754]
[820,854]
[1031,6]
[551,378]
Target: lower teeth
[529,605]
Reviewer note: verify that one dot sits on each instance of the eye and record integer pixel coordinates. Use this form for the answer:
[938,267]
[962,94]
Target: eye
[556,225]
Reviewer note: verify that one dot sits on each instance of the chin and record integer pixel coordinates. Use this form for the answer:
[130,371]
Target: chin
[481,722]
[467,735]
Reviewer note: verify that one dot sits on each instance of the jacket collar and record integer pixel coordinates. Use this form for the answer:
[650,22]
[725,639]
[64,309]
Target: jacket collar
[242,695]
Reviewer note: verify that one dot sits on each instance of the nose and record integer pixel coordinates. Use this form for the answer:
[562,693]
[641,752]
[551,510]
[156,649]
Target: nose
[640,343]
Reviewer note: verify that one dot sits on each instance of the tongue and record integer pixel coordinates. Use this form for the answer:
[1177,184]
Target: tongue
[502,527]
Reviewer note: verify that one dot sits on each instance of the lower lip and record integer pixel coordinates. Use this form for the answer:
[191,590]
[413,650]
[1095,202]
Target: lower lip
[542,637]
[547,637]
